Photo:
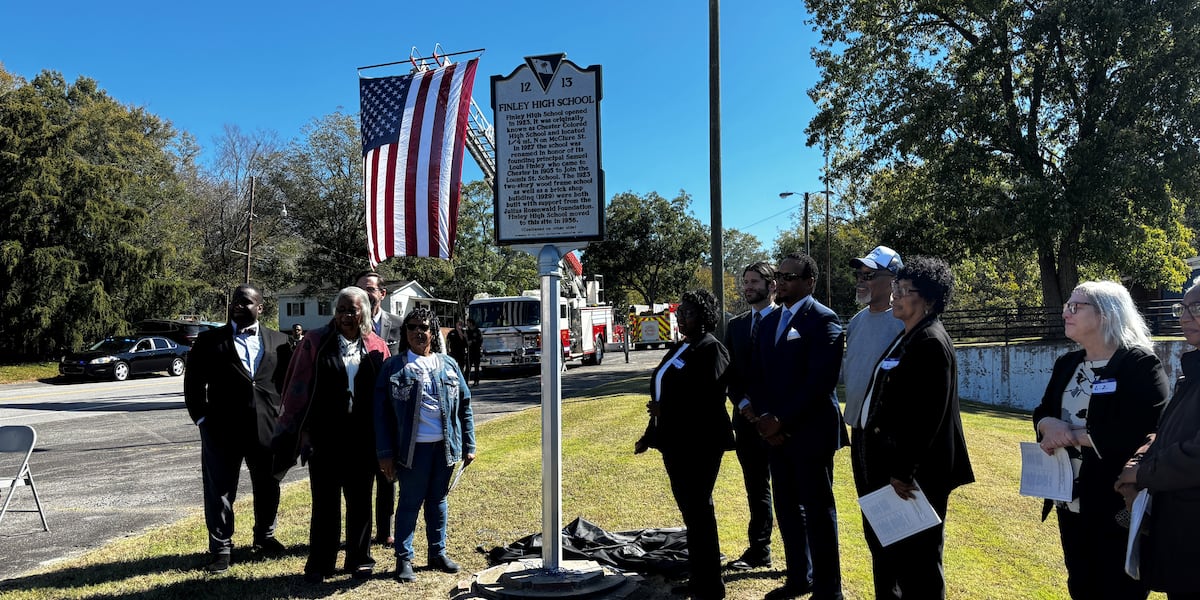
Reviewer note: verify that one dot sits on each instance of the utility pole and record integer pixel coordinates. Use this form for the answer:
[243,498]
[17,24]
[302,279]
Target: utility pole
[714,159]
[249,229]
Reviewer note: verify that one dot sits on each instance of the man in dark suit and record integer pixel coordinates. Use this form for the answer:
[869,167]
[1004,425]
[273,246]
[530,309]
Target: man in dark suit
[758,288]
[390,327]
[231,388]
[795,409]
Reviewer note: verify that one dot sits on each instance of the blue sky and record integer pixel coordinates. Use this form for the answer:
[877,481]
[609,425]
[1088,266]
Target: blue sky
[275,66]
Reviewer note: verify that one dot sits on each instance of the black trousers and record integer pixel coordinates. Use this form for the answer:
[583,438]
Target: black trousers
[693,475]
[385,505]
[1094,552]
[803,488]
[221,456]
[756,473]
[332,475]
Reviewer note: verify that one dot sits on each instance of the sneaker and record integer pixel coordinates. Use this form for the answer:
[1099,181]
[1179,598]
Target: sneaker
[220,563]
[443,563]
[404,571]
[269,546]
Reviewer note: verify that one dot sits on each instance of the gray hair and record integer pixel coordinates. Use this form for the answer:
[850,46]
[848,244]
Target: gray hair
[1120,322]
[364,317]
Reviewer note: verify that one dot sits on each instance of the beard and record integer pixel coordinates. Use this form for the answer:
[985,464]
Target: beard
[862,296]
[754,297]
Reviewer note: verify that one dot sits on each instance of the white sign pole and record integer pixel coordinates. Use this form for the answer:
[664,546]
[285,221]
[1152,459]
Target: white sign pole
[552,361]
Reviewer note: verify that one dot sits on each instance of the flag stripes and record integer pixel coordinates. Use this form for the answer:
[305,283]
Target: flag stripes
[414,130]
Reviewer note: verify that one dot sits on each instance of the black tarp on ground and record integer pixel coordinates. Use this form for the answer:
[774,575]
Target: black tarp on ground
[647,551]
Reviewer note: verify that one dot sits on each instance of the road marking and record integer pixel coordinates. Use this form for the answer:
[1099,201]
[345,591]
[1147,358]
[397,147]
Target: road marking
[59,393]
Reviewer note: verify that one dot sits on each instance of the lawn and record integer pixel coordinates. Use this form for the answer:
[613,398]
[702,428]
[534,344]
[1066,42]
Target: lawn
[25,372]
[996,546]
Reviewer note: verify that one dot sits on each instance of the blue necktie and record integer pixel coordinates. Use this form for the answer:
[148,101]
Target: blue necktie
[783,324]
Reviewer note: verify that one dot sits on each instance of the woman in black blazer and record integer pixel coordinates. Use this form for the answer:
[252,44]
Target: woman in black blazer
[690,426]
[913,435]
[1101,403]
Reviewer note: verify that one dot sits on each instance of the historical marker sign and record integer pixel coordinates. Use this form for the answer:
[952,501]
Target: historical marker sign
[549,184]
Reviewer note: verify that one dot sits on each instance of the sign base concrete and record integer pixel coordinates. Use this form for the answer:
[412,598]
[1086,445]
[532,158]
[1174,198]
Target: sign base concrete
[528,579]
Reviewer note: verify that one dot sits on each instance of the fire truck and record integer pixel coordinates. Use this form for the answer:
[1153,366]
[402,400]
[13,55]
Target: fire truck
[512,325]
[651,326]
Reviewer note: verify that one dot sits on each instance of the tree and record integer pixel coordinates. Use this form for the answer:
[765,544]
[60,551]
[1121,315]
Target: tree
[80,256]
[1063,130]
[652,248]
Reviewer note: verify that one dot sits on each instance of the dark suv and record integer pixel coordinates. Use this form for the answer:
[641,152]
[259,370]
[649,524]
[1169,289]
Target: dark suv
[182,332]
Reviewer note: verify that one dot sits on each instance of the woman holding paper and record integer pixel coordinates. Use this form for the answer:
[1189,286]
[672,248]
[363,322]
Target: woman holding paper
[1170,468]
[690,426]
[912,433]
[423,426]
[1101,402]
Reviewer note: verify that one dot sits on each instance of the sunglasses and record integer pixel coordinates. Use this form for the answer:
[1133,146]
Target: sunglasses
[422,327]
[869,276]
[789,276]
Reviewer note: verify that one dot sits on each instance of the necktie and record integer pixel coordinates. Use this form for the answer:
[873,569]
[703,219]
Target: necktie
[784,318]
[248,331]
[754,329]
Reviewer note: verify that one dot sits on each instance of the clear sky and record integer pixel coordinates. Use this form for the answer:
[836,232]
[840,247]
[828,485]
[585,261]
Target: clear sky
[277,65]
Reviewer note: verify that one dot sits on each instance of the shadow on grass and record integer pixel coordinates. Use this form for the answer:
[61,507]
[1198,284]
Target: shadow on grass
[639,384]
[998,412]
[195,582]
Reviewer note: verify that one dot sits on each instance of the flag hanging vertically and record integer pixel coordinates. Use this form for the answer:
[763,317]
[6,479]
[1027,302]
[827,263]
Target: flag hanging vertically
[414,129]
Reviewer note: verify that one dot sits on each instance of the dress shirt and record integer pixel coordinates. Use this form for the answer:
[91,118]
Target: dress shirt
[248,344]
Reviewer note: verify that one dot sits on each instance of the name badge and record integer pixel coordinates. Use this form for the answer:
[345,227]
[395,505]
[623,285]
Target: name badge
[677,363]
[889,363]
[1104,386]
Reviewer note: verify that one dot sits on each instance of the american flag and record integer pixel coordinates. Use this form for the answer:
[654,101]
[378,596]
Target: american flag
[414,129]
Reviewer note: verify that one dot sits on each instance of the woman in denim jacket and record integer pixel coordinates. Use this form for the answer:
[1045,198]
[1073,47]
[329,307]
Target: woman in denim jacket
[423,425]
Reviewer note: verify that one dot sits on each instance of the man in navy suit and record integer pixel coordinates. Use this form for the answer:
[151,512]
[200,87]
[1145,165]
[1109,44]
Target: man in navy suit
[231,389]
[795,409]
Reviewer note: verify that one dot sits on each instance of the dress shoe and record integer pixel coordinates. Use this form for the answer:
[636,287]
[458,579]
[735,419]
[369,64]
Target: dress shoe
[219,564]
[750,560]
[443,563]
[404,571]
[363,572]
[269,546]
[314,578]
[789,590]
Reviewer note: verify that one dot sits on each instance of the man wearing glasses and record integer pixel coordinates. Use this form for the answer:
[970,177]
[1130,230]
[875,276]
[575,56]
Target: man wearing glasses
[795,409]
[871,331]
[390,327]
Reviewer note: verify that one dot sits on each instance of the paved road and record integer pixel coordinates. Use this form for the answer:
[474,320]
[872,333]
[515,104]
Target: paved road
[115,458]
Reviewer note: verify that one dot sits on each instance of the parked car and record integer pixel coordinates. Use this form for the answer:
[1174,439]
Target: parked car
[120,357]
[183,332]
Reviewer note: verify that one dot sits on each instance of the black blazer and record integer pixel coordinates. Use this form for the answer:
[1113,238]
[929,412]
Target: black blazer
[795,378]
[217,387]
[1118,422]
[692,410]
[391,327]
[737,342]
[913,428]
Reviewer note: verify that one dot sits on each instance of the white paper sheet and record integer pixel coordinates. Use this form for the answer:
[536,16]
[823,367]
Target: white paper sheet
[894,518]
[1046,475]
[1133,550]
[454,483]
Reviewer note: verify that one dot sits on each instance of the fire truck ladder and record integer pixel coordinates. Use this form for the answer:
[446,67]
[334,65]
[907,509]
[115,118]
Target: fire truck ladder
[481,136]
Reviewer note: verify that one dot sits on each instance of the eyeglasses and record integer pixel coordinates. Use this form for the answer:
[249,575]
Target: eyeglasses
[789,276]
[371,289]
[1192,310]
[1073,307]
[422,327]
[868,276]
[900,292]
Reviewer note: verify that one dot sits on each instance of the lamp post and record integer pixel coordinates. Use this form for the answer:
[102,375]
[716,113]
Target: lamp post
[785,195]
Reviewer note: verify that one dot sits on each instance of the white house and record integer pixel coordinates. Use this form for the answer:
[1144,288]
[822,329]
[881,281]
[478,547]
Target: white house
[316,311]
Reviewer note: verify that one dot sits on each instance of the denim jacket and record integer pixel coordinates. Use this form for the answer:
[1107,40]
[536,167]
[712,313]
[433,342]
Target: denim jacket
[397,401]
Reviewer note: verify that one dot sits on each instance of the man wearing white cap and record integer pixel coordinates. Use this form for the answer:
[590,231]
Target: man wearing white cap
[871,330]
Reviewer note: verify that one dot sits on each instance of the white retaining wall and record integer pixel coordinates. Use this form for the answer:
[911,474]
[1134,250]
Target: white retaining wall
[1016,375]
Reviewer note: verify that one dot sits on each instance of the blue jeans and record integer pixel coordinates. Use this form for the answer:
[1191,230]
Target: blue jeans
[426,483]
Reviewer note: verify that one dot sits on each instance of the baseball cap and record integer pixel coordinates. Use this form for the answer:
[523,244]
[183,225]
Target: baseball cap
[881,257]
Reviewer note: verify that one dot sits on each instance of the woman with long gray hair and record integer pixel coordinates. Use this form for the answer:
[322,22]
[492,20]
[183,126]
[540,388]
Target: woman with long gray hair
[1100,404]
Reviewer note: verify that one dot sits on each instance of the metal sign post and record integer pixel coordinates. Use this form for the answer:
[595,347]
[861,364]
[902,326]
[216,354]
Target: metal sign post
[549,200]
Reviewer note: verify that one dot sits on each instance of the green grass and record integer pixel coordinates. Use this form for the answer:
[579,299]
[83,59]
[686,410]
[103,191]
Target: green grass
[25,372]
[996,546]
